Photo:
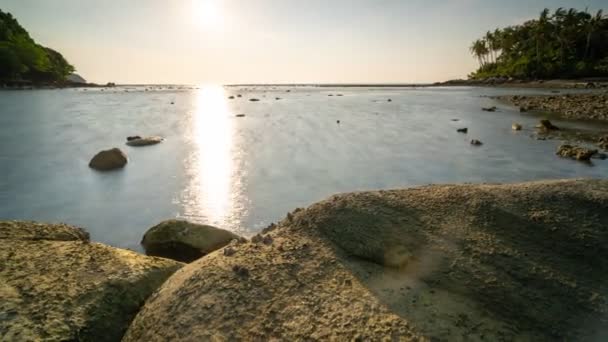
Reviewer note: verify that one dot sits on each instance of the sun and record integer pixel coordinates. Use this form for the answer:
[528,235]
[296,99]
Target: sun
[207,13]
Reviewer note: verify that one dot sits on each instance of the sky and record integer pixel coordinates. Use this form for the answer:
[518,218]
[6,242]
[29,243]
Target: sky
[271,41]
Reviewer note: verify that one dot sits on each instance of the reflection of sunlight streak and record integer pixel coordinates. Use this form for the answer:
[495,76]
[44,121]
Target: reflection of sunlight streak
[212,134]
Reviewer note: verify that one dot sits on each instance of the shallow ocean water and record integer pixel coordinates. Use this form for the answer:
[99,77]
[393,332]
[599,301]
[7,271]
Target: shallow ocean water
[243,173]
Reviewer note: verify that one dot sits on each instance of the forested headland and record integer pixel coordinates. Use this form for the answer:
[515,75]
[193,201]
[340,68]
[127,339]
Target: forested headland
[563,44]
[22,60]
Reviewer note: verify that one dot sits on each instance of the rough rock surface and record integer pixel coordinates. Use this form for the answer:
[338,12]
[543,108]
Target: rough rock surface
[456,263]
[574,106]
[57,286]
[145,141]
[575,152]
[109,160]
[184,241]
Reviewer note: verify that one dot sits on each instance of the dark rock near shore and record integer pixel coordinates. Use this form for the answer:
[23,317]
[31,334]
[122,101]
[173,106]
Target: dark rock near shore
[489,109]
[546,125]
[575,152]
[462,130]
[603,142]
[109,160]
[516,127]
[476,142]
[56,285]
[184,241]
[254,100]
[133,137]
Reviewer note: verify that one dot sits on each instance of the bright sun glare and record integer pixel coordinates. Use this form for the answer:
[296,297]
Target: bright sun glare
[207,13]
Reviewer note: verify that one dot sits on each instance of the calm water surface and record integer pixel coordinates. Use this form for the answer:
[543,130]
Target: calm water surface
[244,173]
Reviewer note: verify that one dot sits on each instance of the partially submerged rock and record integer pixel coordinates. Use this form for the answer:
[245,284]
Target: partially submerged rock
[254,100]
[462,130]
[55,285]
[603,142]
[489,109]
[185,241]
[546,125]
[453,262]
[516,127]
[145,141]
[133,137]
[109,160]
[476,142]
[575,152]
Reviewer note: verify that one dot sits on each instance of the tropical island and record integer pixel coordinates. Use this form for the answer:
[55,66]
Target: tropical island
[24,62]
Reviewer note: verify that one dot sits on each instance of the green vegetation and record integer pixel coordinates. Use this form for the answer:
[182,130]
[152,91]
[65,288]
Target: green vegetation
[565,44]
[22,59]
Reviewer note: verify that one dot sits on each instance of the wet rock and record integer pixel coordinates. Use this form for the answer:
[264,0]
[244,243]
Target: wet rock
[516,127]
[546,125]
[489,109]
[523,109]
[390,100]
[277,98]
[109,160]
[338,122]
[146,141]
[476,142]
[575,152]
[184,241]
[254,100]
[55,285]
[240,115]
[462,130]
[133,137]
[600,156]
[239,95]
[231,97]
[455,120]
[603,143]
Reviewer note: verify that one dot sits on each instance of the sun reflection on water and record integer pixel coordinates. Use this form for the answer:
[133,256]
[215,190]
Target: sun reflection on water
[210,192]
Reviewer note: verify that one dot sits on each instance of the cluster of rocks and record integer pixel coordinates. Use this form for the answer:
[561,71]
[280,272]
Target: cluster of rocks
[452,262]
[577,152]
[115,158]
[573,106]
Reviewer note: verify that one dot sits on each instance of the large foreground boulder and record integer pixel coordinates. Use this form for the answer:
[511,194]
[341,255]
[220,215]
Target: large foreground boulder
[109,160]
[184,241]
[55,285]
[522,262]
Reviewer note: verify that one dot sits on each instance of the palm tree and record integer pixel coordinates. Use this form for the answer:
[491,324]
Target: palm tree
[489,38]
[541,28]
[479,50]
[592,25]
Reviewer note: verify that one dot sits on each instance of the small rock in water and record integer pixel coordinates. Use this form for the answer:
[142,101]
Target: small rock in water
[489,109]
[338,122]
[330,95]
[546,125]
[239,95]
[603,143]
[601,156]
[462,130]
[254,100]
[133,137]
[390,100]
[339,95]
[575,152]
[277,98]
[523,109]
[455,119]
[108,160]
[231,97]
[172,102]
[516,127]
[240,115]
[476,142]
[145,141]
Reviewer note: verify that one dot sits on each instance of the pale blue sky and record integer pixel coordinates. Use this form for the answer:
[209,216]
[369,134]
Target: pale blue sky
[271,41]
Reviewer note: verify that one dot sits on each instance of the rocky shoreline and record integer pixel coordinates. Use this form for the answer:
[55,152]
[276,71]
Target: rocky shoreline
[443,262]
[588,106]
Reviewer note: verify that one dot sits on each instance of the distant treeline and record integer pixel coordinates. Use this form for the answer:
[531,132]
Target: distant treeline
[565,44]
[21,59]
